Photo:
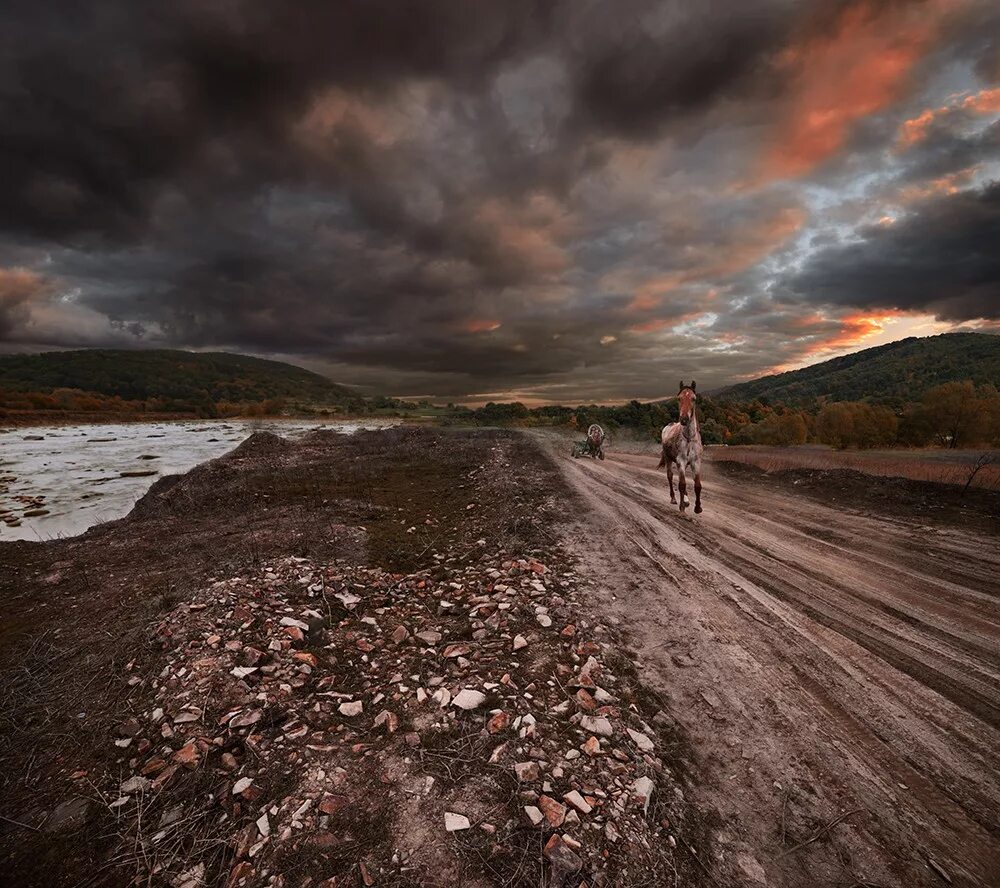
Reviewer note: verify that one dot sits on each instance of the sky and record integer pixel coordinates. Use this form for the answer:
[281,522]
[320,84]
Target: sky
[466,200]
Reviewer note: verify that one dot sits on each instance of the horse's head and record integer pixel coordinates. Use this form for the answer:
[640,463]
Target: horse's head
[686,397]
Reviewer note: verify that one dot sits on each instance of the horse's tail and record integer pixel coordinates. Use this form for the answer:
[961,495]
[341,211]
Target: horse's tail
[663,457]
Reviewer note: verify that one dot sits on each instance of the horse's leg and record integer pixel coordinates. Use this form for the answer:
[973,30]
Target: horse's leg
[670,478]
[682,486]
[697,491]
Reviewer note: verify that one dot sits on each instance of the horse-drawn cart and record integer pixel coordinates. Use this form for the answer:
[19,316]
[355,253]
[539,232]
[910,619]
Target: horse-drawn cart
[592,445]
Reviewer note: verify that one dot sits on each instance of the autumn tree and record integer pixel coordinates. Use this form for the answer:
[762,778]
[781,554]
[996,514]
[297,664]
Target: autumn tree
[955,414]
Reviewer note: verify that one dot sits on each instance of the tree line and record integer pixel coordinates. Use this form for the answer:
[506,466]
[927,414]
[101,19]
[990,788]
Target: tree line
[954,414]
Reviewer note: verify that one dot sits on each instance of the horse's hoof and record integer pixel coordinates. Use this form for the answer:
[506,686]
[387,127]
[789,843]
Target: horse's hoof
[697,510]
[673,502]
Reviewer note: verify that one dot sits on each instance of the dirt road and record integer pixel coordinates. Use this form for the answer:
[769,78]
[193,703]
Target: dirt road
[823,663]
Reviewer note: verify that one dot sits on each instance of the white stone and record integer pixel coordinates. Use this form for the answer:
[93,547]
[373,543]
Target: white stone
[349,710]
[455,822]
[264,826]
[242,784]
[578,801]
[597,724]
[534,814]
[641,740]
[135,784]
[643,790]
[520,642]
[467,699]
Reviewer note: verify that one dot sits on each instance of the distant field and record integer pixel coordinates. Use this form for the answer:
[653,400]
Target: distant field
[942,466]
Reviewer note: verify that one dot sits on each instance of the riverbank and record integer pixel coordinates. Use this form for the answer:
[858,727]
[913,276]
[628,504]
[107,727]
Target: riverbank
[339,661]
[57,481]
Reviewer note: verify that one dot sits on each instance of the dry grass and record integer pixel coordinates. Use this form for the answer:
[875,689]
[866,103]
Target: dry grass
[940,466]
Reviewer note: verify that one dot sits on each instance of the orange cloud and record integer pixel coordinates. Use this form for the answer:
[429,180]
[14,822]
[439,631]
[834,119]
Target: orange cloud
[649,294]
[852,331]
[481,325]
[651,326]
[915,129]
[949,184]
[860,67]
[986,101]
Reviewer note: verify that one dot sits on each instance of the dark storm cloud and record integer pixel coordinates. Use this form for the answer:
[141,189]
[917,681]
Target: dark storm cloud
[450,196]
[649,63]
[103,103]
[944,151]
[940,259]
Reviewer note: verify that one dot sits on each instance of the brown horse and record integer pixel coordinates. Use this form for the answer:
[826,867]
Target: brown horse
[682,448]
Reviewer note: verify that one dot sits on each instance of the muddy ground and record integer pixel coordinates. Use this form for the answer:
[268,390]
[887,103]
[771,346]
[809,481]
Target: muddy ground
[831,644]
[824,650]
[136,712]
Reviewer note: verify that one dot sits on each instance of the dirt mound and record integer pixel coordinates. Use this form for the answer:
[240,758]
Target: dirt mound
[261,444]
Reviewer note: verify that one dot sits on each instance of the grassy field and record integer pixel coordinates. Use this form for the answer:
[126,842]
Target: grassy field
[942,466]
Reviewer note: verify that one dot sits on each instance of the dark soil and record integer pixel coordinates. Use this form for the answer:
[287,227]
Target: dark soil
[75,613]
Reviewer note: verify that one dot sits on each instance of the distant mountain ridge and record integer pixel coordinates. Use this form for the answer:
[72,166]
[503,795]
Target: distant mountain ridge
[169,375]
[898,372]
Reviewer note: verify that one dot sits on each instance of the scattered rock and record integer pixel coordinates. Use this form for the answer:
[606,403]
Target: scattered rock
[565,861]
[498,723]
[597,724]
[469,699]
[578,801]
[455,822]
[642,790]
[527,772]
[554,811]
[242,785]
[641,740]
[534,815]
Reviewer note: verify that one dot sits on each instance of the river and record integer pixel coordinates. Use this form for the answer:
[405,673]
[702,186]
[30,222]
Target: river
[57,481]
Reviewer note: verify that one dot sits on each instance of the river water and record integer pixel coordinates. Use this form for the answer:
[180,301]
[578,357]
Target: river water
[78,476]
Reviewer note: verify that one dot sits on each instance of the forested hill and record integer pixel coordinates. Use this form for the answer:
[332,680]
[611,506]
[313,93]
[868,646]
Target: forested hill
[168,376]
[899,372]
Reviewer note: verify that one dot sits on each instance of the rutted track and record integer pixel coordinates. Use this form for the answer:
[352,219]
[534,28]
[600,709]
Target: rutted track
[851,660]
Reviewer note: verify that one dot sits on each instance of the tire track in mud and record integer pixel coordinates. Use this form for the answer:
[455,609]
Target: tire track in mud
[883,632]
[979,693]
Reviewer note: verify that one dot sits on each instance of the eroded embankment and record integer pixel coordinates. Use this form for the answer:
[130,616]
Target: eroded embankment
[348,661]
